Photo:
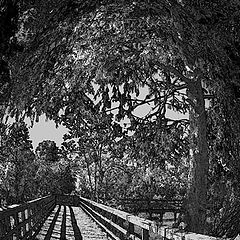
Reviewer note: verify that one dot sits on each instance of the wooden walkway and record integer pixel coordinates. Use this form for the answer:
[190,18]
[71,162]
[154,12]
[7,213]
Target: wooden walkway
[71,218]
[70,223]
[76,218]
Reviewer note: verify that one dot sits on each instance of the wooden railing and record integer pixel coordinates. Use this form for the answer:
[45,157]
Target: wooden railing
[25,220]
[118,224]
[153,203]
[152,206]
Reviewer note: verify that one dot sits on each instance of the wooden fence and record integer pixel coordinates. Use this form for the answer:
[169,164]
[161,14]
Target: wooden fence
[152,206]
[118,224]
[25,220]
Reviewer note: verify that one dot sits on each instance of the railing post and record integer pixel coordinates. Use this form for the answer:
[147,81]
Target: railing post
[33,211]
[23,219]
[145,234]
[8,225]
[130,229]
[30,225]
[175,216]
[16,222]
[2,228]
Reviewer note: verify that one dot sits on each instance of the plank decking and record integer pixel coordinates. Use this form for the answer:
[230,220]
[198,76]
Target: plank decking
[70,223]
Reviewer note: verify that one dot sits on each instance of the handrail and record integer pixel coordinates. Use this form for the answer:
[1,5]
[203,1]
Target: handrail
[117,223]
[145,200]
[162,203]
[24,221]
[150,206]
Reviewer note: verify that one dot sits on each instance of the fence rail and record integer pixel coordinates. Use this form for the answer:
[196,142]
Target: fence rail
[150,206]
[118,224]
[25,220]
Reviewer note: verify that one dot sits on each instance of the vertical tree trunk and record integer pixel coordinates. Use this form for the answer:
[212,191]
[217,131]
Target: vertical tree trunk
[199,162]
[89,175]
[95,182]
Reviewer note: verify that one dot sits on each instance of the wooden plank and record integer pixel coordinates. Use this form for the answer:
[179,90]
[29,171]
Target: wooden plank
[9,226]
[76,230]
[16,226]
[11,210]
[105,219]
[145,234]
[143,223]
[36,228]
[2,227]
[29,221]
[23,220]
[113,236]
[50,230]
[130,230]
[19,229]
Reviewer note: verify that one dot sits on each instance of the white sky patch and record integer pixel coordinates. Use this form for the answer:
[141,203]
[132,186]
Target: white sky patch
[46,130]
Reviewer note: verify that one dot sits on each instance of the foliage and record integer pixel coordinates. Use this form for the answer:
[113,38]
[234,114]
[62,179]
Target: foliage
[125,168]
[95,58]
[94,136]
[48,151]
[66,181]
[16,162]
[81,52]
[53,174]
[224,173]
[25,176]
[8,27]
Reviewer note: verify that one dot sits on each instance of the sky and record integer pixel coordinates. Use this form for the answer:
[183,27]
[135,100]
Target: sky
[46,130]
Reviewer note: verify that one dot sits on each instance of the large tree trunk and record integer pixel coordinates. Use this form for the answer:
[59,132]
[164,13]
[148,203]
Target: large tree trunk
[199,162]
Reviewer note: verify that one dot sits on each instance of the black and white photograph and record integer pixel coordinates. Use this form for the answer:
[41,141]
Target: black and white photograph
[119,119]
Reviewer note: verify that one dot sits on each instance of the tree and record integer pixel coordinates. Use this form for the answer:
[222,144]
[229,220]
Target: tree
[67,181]
[223,132]
[54,169]
[47,163]
[157,157]
[217,55]
[94,136]
[48,151]
[139,42]
[46,178]
[16,161]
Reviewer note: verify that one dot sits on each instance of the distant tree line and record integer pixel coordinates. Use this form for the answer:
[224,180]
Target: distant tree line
[26,174]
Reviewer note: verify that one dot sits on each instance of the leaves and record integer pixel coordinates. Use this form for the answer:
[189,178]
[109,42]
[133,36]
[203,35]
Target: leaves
[48,151]
[93,66]
[16,162]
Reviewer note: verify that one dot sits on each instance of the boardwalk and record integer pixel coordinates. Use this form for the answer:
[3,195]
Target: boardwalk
[70,223]
[70,217]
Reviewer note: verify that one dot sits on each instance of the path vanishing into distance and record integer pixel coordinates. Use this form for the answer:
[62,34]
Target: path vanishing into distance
[61,215]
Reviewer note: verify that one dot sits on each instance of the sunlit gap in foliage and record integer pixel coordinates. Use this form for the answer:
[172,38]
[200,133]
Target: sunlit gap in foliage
[145,108]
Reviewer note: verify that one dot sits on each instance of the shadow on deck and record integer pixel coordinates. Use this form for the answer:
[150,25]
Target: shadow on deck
[61,224]
[53,217]
[72,217]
